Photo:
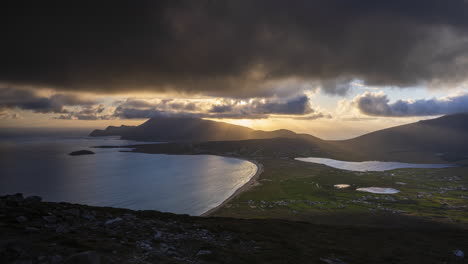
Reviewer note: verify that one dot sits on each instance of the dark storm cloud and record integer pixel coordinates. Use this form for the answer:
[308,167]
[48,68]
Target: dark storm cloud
[29,100]
[295,106]
[377,104]
[163,105]
[132,113]
[237,48]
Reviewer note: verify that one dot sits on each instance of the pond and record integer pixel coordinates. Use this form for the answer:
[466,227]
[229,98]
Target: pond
[371,165]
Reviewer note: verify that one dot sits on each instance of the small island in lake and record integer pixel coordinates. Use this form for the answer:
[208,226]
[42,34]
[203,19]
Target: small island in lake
[81,152]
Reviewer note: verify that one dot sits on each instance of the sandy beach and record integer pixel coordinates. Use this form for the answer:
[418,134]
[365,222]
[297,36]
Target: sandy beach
[242,189]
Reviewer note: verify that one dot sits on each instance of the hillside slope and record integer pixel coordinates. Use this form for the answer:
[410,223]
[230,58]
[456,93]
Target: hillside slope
[188,129]
[32,231]
[445,137]
[435,140]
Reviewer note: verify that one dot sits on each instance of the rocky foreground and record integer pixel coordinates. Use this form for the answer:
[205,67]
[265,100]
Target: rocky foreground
[32,231]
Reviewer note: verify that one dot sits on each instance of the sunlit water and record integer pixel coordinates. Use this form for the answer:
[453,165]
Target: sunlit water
[371,165]
[169,183]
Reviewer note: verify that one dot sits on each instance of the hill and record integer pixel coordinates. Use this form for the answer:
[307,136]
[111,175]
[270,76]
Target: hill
[188,129]
[32,231]
[445,137]
[435,140]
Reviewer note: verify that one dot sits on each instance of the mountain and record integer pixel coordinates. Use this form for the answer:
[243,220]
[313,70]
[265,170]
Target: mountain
[445,137]
[188,129]
[112,131]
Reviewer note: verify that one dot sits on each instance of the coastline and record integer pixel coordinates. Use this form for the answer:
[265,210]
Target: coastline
[243,188]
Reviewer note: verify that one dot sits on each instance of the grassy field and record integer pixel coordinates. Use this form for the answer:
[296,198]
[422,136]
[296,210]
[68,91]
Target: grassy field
[296,190]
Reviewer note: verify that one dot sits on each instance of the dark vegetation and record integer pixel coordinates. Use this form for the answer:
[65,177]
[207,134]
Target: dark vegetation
[37,232]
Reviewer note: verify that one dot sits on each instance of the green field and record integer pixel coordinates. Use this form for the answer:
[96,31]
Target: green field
[290,189]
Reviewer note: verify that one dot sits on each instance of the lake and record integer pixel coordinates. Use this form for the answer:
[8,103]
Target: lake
[169,183]
[371,165]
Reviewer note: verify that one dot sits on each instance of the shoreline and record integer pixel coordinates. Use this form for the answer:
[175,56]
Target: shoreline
[243,188]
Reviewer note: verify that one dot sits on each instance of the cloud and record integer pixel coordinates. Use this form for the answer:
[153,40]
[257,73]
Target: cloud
[74,107]
[89,112]
[313,116]
[4,114]
[233,109]
[294,106]
[232,48]
[25,99]
[377,104]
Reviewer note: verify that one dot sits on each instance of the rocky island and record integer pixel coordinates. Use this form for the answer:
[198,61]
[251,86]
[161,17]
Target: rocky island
[81,152]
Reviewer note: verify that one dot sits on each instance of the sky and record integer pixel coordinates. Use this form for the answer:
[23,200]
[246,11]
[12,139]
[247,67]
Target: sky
[335,69]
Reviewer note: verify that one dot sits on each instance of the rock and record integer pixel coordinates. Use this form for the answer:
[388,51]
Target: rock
[158,235]
[23,261]
[33,199]
[204,252]
[81,152]
[332,261]
[144,245]
[163,247]
[15,197]
[21,219]
[56,259]
[30,229]
[113,221]
[87,257]
[50,219]
[172,253]
[88,216]
[72,211]
[62,229]
[129,217]
[458,253]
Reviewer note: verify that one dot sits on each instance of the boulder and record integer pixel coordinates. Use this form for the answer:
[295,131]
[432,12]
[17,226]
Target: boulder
[332,261]
[15,197]
[72,211]
[50,219]
[62,229]
[21,219]
[87,257]
[33,199]
[113,221]
[458,253]
[30,229]
[204,252]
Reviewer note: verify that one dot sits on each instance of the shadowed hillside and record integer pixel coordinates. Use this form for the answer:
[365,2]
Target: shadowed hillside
[38,232]
[444,137]
[188,129]
[275,147]
[441,139]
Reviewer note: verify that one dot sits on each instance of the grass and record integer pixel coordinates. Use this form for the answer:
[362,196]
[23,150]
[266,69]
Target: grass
[290,189]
